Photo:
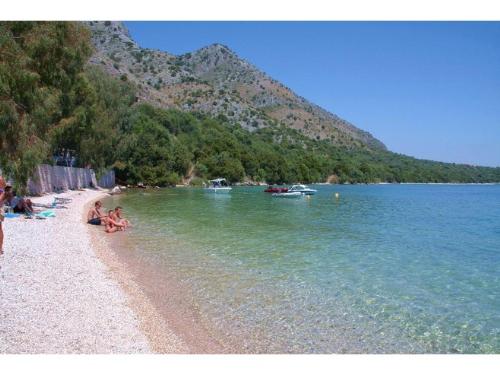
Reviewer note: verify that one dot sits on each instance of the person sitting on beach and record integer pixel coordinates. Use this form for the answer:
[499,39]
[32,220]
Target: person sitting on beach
[94,216]
[19,204]
[112,225]
[117,216]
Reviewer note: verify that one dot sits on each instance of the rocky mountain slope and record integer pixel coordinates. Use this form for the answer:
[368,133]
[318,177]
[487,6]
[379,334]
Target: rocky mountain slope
[216,81]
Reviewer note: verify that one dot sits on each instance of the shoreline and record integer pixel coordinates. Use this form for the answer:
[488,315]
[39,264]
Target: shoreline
[76,289]
[158,298]
[56,295]
[160,336]
[146,188]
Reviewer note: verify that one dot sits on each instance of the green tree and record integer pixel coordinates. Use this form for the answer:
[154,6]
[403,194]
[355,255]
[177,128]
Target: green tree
[41,73]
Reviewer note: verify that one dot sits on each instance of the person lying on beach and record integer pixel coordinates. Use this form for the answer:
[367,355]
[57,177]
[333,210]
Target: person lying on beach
[117,216]
[18,204]
[94,216]
[111,224]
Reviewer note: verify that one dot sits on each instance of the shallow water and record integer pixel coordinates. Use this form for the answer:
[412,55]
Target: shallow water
[384,268]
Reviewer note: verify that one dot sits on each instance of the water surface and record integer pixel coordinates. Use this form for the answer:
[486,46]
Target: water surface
[384,268]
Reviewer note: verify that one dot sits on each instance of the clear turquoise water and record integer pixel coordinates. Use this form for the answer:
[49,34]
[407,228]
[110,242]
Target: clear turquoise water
[386,268]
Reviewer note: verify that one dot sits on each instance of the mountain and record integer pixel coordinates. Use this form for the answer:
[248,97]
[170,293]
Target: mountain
[215,81]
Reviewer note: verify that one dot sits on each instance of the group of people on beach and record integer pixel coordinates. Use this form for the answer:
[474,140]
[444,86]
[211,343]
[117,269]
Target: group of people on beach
[10,201]
[113,221]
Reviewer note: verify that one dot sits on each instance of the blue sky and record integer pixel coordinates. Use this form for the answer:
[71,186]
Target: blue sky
[426,89]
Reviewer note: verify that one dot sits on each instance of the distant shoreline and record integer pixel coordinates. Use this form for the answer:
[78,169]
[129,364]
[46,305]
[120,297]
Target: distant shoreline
[133,188]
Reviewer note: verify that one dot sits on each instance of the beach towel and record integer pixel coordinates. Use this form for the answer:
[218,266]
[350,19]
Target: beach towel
[46,214]
[11,215]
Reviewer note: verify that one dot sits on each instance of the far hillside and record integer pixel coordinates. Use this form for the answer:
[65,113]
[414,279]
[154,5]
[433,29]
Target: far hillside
[215,81]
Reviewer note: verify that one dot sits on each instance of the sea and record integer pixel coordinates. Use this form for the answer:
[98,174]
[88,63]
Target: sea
[378,269]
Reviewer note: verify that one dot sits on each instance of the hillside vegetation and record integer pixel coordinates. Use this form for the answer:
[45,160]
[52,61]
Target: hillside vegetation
[51,98]
[214,80]
[161,146]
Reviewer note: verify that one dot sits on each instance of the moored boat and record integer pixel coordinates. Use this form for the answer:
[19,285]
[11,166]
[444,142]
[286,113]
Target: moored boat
[218,185]
[303,189]
[272,189]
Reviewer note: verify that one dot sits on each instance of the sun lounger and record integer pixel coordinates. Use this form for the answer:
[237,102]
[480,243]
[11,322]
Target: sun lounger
[38,205]
[62,200]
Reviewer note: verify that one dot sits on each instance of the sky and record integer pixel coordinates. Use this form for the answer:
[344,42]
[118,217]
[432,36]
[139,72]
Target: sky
[426,89]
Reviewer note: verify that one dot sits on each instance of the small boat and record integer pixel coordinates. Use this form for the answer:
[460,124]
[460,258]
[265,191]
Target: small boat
[218,185]
[272,189]
[288,194]
[303,189]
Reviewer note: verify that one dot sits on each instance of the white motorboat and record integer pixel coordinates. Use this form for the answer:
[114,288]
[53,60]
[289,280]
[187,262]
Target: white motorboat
[218,185]
[288,194]
[303,189]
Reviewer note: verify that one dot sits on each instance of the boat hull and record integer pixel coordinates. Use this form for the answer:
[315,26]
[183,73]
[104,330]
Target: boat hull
[289,195]
[218,190]
[308,192]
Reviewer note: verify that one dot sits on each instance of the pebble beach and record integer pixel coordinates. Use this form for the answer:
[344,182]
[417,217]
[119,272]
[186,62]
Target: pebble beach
[58,296]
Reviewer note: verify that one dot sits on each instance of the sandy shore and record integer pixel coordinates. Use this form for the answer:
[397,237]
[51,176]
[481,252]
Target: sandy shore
[159,333]
[57,296]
